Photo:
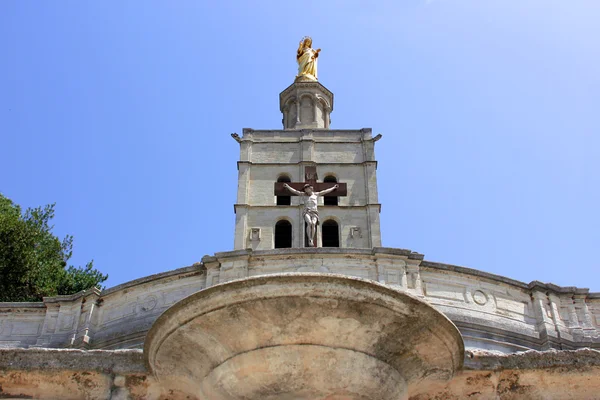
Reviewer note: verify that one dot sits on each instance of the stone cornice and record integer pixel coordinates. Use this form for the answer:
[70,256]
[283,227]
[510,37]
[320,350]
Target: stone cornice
[72,297]
[303,86]
[20,304]
[116,361]
[191,270]
[306,162]
[304,131]
[534,285]
[275,206]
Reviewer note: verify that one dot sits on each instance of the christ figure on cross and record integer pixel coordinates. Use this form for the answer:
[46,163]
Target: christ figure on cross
[310,212]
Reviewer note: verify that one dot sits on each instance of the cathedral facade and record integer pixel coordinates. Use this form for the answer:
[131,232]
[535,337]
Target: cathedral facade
[290,315]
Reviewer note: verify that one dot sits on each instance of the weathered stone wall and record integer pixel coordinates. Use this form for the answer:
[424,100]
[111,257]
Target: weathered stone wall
[492,312]
[116,318]
[121,374]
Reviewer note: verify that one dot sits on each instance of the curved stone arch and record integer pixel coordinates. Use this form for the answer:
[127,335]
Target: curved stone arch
[323,101]
[284,175]
[325,109]
[284,218]
[313,98]
[289,102]
[332,174]
[328,217]
[290,112]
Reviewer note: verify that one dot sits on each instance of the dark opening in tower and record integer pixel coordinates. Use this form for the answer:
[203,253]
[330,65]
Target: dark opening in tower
[330,200]
[331,236]
[284,200]
[283,234]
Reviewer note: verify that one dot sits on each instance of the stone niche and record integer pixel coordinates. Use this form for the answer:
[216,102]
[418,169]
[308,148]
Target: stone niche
[301,336]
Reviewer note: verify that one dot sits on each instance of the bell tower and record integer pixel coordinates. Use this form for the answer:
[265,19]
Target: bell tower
[338,164]
[306,105]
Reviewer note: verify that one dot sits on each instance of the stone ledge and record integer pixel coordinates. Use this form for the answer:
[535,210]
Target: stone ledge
[72,297]
[132,360]
[117,361]
[531,286]
[21,304]
[531,359]
[180,271]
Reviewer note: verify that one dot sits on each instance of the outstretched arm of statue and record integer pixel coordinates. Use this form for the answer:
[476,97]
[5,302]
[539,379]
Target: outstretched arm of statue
[326,191]
[291,189]
[316,53]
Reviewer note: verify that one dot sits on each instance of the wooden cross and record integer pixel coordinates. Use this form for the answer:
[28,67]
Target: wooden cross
[310,176]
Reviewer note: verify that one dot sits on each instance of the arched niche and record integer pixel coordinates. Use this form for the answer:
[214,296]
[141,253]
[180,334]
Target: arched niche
[330,233]
[307,109]
[283,234]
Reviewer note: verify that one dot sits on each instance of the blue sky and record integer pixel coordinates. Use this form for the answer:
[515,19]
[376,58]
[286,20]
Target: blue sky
[121,111]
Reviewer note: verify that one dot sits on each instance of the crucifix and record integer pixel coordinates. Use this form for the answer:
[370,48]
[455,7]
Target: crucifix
[310,189]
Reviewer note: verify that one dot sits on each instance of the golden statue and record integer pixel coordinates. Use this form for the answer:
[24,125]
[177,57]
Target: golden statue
[307,60]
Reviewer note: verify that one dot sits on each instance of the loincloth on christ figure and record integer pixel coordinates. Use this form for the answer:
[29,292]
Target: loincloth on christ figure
[311,213]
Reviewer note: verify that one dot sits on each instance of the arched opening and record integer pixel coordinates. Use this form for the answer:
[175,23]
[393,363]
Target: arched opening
[330,200]
[331,236]
[284,200]
[283,235]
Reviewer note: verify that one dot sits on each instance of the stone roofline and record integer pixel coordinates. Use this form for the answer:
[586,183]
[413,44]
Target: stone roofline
[200,268]
[492,312]
[252,130]
[248,131]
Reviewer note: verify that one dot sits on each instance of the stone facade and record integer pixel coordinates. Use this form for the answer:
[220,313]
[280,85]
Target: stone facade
[347,155]
[271,323]
[492,312]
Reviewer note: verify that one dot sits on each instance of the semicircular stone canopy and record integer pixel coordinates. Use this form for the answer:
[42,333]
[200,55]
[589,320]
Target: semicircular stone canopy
[301,336]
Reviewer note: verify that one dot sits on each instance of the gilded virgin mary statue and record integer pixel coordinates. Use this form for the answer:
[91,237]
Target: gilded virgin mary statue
[307,60]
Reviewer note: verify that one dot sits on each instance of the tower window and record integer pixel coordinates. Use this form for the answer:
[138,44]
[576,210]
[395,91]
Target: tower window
[283,234]
[330,200]
[284,200]
[331,236]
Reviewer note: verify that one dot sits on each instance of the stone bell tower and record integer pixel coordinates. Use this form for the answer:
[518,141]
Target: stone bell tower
[306,105]
[306,150]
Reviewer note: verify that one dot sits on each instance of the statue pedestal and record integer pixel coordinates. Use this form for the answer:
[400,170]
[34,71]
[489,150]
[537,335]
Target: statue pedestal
[306,104]
[301,336]
[305,78]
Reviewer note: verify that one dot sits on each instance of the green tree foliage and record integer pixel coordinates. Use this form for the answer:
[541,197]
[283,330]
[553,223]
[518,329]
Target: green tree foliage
[33,262]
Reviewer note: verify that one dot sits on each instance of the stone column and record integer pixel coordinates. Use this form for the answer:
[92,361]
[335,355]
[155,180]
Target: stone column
[87,319]
[545,324]
[413,277]
[587,325]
